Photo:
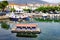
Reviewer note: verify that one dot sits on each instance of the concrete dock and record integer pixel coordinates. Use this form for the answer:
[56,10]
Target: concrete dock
[4,17]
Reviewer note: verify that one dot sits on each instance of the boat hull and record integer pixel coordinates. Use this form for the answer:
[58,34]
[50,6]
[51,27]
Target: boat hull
[26,18]
[13,19]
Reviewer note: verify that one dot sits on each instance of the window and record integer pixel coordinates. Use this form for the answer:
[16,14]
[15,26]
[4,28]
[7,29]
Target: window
[33,27]
[19,27]
[24,27]
[28,27]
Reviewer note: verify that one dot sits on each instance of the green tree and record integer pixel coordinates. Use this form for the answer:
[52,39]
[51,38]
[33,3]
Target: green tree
[0,6]
[3,5]
[49,8]
[27,10]
[12,10]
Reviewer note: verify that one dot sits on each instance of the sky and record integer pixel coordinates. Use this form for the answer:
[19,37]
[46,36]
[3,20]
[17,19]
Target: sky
[50,1]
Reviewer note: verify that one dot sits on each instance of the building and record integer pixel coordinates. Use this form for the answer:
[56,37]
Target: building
[26,28]
[20,7]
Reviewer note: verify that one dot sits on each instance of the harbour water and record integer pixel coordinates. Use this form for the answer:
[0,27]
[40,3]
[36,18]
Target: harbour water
[49,31]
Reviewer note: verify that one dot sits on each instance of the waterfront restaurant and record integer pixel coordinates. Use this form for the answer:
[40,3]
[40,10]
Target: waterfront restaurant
[26,28]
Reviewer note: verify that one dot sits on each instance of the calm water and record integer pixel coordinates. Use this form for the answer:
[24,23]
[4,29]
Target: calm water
[49,31]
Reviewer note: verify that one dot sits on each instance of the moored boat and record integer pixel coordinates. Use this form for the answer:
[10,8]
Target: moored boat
[13,17]
[24,17]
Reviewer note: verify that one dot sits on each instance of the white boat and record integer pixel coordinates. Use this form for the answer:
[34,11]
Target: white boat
[14,17]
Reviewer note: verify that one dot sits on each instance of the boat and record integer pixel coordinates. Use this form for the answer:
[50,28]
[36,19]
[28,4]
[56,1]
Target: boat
[13,17]
[25,17]
[26,28]
[16,17]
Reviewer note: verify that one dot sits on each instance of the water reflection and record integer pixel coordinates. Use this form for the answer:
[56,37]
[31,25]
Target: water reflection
[50,31]
[5,26]
[46,20]
[30,35]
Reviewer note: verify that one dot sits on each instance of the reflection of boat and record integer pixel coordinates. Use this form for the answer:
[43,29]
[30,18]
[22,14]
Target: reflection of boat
[26,28]
[44,15]
[26,35]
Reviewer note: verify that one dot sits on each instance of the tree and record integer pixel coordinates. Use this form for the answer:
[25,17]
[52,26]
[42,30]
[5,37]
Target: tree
[47,9]
[43,9]
[12,10]
[27,10]
[3,5]
[0,6]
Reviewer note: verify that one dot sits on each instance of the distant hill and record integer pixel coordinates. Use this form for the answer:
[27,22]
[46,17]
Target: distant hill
[28,1]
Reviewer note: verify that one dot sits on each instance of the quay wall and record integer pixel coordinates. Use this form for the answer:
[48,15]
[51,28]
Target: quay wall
[4,17]
[52,16]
